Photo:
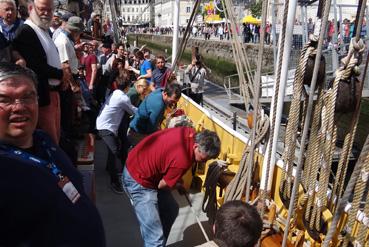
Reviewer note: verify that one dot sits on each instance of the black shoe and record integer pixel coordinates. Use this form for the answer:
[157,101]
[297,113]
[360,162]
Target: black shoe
[116,188]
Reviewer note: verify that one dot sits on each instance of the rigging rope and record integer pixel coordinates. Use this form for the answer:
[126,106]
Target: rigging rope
[344,75]
[276,87]
[363,228]
[248,90]
[296,182]
[236,187]
[358,195]
[240,57]
[186,36]
[288,155]
[355,48]
[347,194]
[264,193]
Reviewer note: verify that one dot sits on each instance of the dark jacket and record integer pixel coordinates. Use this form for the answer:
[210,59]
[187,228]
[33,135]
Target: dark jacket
[34,210]
[29,46]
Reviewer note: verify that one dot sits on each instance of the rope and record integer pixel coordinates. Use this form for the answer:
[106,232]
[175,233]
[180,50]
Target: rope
[363,228]
[276,89]
[186,36]
[240,57]
[346,195]
[306,122]
[349,63]
[288,155]
[236,187]
[210,204]
[257,107]
[312,160]
[358,195]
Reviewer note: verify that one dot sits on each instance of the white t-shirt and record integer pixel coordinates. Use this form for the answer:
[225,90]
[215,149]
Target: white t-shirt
[49,48]
[113,111]
[66,51]
[109,64]
[198,81]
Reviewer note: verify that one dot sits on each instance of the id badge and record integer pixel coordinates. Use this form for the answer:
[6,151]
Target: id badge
[69,190]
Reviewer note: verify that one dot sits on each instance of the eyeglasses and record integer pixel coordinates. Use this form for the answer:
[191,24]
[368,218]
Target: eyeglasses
[7,102]
[43,10]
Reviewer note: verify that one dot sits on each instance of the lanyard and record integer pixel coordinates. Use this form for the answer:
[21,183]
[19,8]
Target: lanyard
[35,160]
[63,182]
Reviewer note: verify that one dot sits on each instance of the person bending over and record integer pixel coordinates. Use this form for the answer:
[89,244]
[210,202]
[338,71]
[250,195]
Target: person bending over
[157,165]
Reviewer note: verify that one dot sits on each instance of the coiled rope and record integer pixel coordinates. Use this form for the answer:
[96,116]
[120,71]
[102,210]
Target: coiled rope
[250,90]
[236,187]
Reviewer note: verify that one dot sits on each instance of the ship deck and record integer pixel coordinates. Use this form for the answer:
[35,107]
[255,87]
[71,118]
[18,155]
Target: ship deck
[120,223]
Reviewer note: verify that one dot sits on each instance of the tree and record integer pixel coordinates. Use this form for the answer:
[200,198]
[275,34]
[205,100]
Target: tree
[255,9]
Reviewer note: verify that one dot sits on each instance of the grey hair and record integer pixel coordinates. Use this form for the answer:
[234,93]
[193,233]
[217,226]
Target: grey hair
[9,1]
[8,70]
[209,143]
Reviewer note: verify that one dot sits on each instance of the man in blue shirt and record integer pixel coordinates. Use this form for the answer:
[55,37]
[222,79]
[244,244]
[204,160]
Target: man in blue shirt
[150,113]
[145,67]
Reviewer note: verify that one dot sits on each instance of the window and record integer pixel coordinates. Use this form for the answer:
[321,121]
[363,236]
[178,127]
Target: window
[188,9]
[128,19]
[123,9]
[137,10]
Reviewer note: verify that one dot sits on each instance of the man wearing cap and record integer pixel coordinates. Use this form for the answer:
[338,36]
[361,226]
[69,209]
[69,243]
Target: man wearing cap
[35,45]
[56,22]
[64,19]
[104,57]
[68,58]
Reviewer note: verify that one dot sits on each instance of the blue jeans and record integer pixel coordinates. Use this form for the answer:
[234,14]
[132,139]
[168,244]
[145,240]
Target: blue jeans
[156,210]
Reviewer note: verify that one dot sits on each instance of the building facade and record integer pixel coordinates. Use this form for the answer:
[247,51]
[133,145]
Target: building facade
[164,12]
[136,12]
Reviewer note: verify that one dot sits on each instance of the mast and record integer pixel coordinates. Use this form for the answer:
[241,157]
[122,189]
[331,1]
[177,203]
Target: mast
[113,12]
[175,30]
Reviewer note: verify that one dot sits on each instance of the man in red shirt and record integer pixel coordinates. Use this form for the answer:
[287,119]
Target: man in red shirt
[157,165]
[90,62]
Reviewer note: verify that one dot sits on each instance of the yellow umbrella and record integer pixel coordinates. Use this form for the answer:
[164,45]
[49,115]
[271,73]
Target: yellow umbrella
[251,20]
